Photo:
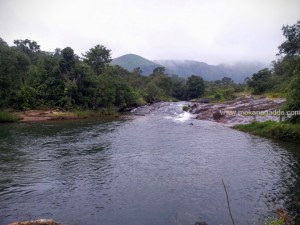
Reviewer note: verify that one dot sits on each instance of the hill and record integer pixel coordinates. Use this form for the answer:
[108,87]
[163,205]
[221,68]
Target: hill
[184,68]
[238,72]
[132,61]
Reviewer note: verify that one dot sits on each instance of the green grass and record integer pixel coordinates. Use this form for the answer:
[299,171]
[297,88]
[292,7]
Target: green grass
[275,222]
[274,95]
[85,114]
[271,129]
[8,117]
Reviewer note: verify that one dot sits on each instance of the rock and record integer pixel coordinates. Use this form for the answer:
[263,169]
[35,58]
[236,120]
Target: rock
[205,115]
[200,223]
[204,100]
[199,110]
[235,109]
[217,115]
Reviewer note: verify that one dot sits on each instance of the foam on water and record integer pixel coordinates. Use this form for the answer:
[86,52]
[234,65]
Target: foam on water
[182,117]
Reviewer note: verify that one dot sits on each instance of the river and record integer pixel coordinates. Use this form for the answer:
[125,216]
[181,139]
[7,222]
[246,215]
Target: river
[164,168]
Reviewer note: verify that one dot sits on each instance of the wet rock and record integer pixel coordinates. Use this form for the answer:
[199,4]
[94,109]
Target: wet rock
[206,115]
[204,100]
[217,115]
[238,110]
[200,223]
[200,109]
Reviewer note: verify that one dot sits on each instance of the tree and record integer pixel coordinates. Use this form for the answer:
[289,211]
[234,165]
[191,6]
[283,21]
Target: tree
[27,46]
[227,81]
[98,58]
[158,70]
[291,51]
[293,96]
[291,46]
[195,87]
[260,81]
[30,48]
[68,62]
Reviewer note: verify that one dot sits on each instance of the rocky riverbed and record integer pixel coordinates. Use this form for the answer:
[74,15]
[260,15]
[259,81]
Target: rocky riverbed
[242,110]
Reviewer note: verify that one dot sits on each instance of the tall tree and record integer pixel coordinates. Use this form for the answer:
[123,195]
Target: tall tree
[98,58]
[291,51]
[291,46]
[195,87]
[260,81]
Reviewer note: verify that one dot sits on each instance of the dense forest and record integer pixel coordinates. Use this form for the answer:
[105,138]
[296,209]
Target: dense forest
[31,78]
[34,79]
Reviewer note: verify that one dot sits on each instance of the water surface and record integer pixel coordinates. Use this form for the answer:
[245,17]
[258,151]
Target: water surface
[156,169]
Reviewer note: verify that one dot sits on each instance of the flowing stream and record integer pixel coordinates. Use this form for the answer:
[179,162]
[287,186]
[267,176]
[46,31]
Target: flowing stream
[164,168]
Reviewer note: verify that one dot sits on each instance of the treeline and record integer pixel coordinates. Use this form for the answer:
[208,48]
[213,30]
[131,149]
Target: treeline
[284,77]
[31,78]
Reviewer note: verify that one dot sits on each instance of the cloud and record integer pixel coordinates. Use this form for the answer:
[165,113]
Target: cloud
[213,31]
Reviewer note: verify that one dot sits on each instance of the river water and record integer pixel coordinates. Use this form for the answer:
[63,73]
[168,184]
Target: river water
[157,169]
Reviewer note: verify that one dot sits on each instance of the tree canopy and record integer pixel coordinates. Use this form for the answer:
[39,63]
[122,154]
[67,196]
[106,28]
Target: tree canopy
[98,58]
[31,78]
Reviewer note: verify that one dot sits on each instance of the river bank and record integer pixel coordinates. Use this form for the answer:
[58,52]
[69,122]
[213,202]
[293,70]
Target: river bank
[272,129]
[52,114]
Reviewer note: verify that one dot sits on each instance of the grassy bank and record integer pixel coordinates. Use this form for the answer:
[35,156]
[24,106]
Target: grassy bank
[8,117]
[274,130]
[53,114]
[84,114]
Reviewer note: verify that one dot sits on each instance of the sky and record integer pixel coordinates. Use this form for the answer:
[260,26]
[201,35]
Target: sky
[211,31]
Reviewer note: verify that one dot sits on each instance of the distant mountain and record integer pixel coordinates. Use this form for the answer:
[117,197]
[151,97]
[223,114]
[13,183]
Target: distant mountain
[132,61]
[238,72]
[187,68]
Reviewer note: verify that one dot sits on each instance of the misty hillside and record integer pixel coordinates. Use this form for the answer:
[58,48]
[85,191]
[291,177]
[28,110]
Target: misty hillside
[132,61]
[187,68]
[238,72]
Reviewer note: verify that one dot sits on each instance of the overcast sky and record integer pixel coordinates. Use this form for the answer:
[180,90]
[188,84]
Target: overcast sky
[212,31]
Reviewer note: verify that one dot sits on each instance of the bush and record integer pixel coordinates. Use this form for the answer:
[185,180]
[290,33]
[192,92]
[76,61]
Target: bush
[186,108]
[271,129]
[8,117]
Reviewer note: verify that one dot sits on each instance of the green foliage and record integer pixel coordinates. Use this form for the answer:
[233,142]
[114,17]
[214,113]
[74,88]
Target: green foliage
[293,95]
[98,58]
[260,81]
[275,222]
[223,90]
[283,70]
[26,98]
[8,117]
[31,78]
[290,65]
[271,129]
[291,46]
[186,108]
[195,87]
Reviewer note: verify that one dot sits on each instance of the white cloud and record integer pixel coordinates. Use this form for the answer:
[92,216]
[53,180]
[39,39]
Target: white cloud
[214,31]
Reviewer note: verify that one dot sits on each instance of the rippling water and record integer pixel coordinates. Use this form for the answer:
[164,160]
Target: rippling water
[159,169]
